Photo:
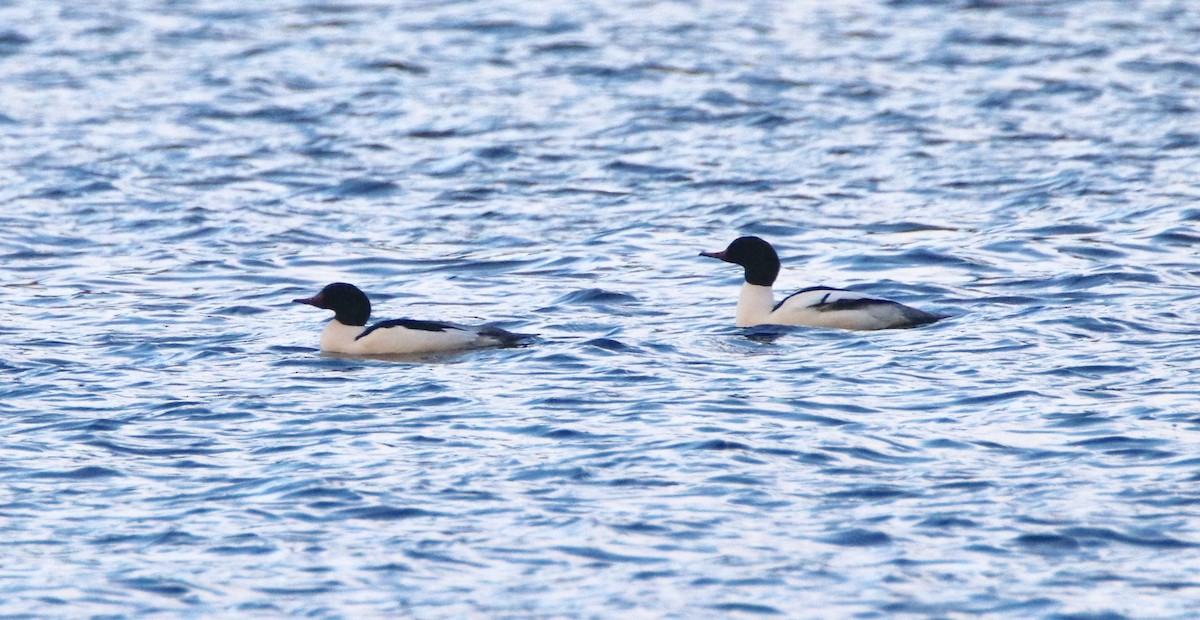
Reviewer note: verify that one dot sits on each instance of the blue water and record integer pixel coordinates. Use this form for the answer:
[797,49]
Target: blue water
[173,174]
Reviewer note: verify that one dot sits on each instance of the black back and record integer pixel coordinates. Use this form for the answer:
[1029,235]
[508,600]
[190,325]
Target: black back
[807,290]
[427,326]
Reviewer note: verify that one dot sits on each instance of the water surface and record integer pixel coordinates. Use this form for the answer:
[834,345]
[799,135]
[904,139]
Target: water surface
[174,444]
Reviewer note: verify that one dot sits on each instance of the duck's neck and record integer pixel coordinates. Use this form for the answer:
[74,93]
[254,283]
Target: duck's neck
[755,304]
[338,337]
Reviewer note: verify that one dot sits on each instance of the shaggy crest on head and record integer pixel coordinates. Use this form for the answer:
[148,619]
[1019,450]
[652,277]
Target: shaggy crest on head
[817,306]
[347,332]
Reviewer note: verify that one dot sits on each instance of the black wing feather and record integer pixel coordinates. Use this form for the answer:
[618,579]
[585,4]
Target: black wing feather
[805,290]
[912,316]
[853,304]
[426,326]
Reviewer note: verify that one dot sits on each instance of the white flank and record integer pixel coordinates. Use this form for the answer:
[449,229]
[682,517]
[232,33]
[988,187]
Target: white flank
[811,309]
[339,338]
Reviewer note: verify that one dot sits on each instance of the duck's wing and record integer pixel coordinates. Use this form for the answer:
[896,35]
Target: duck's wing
[833,307]
[425,326]
[416,336]
[809,296]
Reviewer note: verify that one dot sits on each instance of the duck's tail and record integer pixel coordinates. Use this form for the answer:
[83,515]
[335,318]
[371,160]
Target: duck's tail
[505,338]
[917,318]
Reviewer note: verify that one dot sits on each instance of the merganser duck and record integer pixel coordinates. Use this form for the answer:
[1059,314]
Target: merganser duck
[817,306]
[348,331]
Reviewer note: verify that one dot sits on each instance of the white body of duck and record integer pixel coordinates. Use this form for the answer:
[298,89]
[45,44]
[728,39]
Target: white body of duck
[348,333]
[818,306]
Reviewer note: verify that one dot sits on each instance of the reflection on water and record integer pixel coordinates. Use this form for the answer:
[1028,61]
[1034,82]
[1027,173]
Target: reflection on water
[177,174]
